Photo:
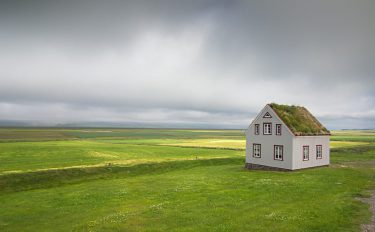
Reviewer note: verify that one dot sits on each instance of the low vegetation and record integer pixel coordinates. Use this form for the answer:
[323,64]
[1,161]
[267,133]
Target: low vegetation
[299,120]
[174,180]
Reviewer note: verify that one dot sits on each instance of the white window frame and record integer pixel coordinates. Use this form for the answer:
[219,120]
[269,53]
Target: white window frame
[267,128]
[256,129]
[305,153]
[319,151]
[278,152]
[278,129]
[257,150]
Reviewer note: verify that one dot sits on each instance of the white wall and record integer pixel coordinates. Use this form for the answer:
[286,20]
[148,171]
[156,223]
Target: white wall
[311,141]
[268,142]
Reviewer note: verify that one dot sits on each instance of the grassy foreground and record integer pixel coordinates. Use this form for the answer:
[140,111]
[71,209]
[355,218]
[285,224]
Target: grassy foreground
[173,180]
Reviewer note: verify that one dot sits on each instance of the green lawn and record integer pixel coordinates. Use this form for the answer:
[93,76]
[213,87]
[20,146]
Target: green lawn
[138,182]
[29,156]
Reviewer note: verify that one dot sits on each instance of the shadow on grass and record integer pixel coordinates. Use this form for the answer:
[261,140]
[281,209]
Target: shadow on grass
[15,182]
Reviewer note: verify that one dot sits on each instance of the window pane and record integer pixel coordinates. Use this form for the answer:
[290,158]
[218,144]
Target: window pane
[267,128]
[278,152]
[305,152]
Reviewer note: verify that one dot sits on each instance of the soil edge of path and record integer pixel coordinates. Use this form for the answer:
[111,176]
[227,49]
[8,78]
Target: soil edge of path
[371,201]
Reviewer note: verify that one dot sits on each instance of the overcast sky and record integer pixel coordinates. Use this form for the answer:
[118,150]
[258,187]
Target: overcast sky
[188,62]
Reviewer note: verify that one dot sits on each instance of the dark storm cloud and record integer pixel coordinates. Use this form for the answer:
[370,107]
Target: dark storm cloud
[186,61]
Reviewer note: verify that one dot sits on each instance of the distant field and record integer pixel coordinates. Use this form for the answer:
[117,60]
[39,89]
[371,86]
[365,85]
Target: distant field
[28,156]
[354,135]
[41,134]
[174,180]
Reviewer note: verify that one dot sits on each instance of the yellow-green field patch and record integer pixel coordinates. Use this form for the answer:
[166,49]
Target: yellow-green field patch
[353,133]
[101,154]
[211,143]
[336,144]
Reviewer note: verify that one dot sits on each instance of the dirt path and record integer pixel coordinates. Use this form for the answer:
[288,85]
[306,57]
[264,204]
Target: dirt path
[371,201]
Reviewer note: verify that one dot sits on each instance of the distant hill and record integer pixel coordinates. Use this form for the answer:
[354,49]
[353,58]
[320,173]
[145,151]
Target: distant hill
[15,123]
[100,124]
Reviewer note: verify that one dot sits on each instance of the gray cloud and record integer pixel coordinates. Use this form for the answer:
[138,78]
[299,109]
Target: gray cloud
[186,61]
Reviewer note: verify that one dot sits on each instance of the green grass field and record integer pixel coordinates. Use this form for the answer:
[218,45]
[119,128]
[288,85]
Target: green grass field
[174,180]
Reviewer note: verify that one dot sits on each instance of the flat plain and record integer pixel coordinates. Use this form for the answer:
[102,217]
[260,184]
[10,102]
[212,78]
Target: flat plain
[107,179]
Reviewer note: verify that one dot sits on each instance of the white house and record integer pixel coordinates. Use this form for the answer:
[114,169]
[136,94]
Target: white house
[284,137]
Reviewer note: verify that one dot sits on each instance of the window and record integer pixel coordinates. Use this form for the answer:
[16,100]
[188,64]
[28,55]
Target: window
[256,128]
[267,128]
[278,129]
[319,151]
[278,152]
[305,153]
[267,115]
[256,150]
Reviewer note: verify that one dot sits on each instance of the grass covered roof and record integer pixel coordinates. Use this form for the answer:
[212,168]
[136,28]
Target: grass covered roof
[299,120]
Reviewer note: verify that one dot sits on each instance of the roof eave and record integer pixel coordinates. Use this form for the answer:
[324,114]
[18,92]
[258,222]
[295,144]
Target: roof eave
[304,134]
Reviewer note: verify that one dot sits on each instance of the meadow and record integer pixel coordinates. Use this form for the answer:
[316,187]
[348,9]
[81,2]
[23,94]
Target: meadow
[174,180]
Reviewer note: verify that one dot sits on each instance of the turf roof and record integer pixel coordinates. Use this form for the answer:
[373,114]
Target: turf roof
[299,120]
